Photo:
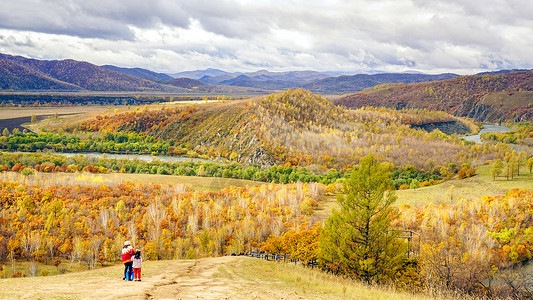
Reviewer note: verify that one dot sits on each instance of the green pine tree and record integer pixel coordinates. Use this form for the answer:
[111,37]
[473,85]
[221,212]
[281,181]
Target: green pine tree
[357,240]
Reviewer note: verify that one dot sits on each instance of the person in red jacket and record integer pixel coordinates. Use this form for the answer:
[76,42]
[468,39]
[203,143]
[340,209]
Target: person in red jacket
[127,253]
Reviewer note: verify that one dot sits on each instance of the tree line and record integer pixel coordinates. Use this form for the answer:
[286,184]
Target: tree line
[403,178]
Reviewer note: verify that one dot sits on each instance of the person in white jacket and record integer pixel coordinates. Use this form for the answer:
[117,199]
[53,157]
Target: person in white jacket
[137,259]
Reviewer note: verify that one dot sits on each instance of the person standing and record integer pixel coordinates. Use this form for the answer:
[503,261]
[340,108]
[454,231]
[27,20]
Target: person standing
[137,259]
[127,254]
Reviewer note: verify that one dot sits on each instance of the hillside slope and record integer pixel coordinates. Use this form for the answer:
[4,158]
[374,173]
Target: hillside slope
[487,98]
[14,76]
[296,128]
[349,84]
[139,72]
[71,74]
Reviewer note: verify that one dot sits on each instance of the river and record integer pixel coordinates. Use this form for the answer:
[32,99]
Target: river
[143,157]
[486,128]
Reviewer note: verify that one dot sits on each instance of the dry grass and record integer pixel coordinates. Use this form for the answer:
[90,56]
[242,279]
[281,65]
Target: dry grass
[298,282]
[470,189]
[73,115]
[197,183]
[211,278]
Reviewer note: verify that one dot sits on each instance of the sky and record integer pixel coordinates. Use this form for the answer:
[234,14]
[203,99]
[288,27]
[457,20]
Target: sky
[355,36]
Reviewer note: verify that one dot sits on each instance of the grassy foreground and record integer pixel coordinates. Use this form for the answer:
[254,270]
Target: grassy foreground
[298,282]
[209,278]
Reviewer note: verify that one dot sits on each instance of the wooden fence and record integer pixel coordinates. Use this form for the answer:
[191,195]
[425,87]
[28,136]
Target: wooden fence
[413,247]
[278,257]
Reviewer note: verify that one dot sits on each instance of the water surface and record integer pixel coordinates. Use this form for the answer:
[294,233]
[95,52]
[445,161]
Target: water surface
[486,128]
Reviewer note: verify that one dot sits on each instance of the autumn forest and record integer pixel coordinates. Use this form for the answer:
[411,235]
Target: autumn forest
[320,170]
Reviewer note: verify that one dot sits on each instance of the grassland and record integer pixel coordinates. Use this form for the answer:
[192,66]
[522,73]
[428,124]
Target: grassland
[197,183]
[452,191]
[466,189]
[73,115]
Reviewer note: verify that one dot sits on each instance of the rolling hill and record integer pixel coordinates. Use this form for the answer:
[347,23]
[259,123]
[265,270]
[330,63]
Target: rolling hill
[14,76]
[69,75]
[487,98]
[140,73]
[296,128]
[349,84]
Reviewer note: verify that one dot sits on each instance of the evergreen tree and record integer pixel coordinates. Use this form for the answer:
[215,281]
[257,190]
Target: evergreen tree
[357,240]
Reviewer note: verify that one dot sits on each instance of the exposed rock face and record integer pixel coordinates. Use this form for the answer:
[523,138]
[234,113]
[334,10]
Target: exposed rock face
[481,111]
[260,157]
[446,127]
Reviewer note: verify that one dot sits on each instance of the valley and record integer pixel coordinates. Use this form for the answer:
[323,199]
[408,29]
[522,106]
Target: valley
[193,181]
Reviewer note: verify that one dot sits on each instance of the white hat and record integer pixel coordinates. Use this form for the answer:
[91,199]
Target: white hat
[127,243]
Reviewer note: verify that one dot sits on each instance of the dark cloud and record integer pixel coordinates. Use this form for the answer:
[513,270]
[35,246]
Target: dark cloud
[90,19]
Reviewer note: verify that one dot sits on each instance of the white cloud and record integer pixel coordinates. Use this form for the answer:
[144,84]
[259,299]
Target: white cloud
[239,35]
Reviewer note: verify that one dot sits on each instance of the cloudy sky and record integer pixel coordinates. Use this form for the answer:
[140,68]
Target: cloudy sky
[433,36]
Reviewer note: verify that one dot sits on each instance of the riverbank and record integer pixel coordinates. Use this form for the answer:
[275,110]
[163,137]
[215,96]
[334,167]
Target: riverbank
[486,128]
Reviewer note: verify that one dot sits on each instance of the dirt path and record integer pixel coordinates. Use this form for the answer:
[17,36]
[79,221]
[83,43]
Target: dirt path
[179,279]
[195,281]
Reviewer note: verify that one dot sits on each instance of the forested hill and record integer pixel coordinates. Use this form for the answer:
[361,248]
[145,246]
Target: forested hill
[14,76]
[489,98]
[355,83]
[19,73]
[295,128]
[138,72]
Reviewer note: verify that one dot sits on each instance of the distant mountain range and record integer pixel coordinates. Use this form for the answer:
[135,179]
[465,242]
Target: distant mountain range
[359,82]
[19,73]
[138,72]
[317,82]
[23,74]
[201,73]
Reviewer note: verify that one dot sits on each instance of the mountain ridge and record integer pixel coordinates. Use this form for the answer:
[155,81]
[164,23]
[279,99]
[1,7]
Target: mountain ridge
[485,98]
[77,75]
[139,72]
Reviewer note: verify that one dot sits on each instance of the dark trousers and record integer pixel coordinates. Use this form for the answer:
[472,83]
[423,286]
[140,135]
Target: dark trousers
[128,269]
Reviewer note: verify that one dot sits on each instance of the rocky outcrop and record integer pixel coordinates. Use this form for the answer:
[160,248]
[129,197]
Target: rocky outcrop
[481,111]
[260,157]
[445,127]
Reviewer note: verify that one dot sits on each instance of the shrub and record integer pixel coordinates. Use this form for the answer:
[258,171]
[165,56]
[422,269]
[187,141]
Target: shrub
[28,171]
[18,275]
[425,183]
[404,187]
